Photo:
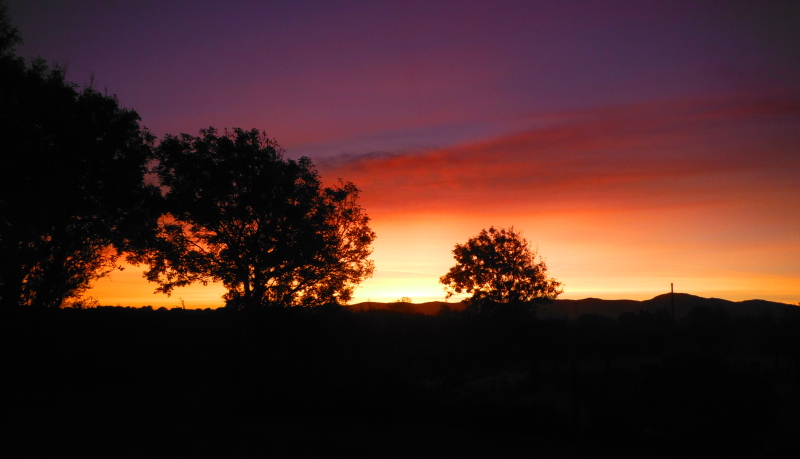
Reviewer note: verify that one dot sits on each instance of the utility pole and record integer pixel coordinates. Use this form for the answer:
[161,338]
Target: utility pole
[672,300]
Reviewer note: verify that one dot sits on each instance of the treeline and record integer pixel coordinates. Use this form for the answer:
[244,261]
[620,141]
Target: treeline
[643,382]
[649,334]
[85,185]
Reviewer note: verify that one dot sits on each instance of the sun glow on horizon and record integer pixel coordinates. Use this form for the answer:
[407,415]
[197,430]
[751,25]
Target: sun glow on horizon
[620,203]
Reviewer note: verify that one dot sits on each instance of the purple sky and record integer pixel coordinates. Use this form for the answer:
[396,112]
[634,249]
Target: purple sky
[638,143]
[354,77]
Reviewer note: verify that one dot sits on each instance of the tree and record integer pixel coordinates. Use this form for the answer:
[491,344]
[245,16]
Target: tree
[9,35]
[499,266]
[264,226]
[402,306]
[72,191]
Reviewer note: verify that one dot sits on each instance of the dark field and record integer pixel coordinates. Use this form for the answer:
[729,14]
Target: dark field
[119,382]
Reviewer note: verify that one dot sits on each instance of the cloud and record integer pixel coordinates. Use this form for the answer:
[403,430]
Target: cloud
[625,198]
[658,154]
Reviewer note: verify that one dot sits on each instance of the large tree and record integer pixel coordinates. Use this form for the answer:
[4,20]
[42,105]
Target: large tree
[499,266]
[72,194]
[241,214]
[9,35]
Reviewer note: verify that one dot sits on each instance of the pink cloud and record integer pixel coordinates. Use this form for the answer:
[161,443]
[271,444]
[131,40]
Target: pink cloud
[654,154]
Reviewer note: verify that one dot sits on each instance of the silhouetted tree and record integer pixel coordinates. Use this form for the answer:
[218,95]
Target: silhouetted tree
[498,266]
[72,194]
[402,306]
[263,225]
[9,35]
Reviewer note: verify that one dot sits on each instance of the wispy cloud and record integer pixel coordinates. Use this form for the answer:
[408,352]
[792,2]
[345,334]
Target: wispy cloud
[649,154]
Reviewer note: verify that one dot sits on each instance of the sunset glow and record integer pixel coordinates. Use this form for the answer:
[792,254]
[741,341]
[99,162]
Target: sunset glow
[636,144]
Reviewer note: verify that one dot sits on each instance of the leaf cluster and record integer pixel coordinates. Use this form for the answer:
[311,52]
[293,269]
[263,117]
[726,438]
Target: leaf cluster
[72,195]
[240,213]
[499,266]
[230,207]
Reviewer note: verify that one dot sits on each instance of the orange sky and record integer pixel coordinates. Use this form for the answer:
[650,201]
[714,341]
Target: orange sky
[636,142]
[621,201]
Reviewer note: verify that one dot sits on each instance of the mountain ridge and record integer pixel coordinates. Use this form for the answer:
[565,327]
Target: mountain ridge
[566,309]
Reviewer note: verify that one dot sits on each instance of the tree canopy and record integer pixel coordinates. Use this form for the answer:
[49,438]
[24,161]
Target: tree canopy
[239,213]
[499,266]
[9,35]
[72,192]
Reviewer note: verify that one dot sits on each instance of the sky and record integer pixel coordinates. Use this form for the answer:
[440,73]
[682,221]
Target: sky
[634,143]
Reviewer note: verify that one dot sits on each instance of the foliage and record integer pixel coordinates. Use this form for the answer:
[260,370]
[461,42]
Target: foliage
[72,195]
[264,226]
[9,35]
[498,266]
[402,306]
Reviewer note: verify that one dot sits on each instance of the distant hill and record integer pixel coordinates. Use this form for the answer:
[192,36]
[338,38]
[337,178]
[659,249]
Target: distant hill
[684,303]
[564,309]
[430,308]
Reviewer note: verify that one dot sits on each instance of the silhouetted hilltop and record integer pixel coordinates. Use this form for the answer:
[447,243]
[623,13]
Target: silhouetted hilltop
[660,304]
[563,309]
[566,309]
[428,308]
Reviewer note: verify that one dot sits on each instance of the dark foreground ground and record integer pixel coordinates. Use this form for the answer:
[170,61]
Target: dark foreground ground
[117,382]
